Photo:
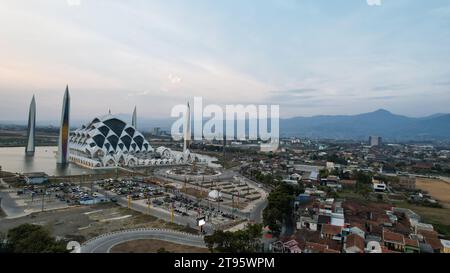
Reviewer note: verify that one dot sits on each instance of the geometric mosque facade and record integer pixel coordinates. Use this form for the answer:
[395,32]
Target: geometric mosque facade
[109,141]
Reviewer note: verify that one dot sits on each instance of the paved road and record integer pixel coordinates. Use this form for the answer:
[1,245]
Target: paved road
[9,205]
[19,206]
[104,243]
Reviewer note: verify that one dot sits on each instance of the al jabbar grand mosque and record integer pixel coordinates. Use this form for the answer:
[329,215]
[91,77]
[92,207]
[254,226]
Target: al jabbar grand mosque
[108,141]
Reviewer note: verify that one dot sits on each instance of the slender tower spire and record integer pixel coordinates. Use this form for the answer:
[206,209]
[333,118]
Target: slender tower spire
[63,147]
[187,128]
[134,120]
[31,132]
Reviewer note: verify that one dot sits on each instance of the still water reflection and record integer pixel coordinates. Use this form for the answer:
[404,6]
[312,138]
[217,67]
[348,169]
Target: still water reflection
[44,160]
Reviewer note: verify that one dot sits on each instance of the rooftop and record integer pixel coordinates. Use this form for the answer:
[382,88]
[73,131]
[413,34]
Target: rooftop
[331,230]
[354,240]
[393,237]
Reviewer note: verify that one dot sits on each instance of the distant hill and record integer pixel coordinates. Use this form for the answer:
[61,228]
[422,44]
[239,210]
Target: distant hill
[381,123]
[357,127]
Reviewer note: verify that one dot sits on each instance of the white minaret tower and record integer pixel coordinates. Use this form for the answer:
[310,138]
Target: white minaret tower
[63,145]
[187,128]
[134,120]
[31,132]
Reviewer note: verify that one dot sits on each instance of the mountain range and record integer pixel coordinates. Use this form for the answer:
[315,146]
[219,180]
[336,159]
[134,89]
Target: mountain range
[357,127]
[380,123]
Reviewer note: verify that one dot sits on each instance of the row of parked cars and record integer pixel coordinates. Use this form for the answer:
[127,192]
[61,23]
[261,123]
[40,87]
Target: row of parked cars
[137,190]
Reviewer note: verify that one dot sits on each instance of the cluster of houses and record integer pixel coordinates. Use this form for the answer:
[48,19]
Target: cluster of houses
[336,226]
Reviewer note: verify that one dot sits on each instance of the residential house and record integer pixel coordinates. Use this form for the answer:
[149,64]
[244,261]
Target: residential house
[358,231]
[354,244]
[331,232]
[311,247]
[411,246]
[306,222]
[445,246]
[323,220]
[435,244]
[393,241]
[291,247]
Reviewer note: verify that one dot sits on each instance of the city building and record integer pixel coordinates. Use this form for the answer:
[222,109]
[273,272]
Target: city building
[374,141]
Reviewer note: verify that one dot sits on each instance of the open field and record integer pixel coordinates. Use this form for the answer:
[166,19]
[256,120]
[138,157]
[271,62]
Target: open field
[82,223]
[437,188]
[438,217]
[431,215]
[152,246]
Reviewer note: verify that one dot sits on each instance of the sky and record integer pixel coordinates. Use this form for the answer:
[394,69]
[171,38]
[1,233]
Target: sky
[312,57]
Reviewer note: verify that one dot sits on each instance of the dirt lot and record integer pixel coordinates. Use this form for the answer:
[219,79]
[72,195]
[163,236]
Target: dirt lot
[438,189]
[195,192]
[83,223]
[152,246]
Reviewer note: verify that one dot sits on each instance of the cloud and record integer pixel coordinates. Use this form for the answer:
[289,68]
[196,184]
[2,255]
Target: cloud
[374,2]
[139,94]
[174,79]
[383,98]
[72,3]
[390,87]
[300,91]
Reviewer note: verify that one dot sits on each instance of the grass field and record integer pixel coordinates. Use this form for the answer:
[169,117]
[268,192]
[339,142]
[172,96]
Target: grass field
[152,246]
[439,218]
[438,189]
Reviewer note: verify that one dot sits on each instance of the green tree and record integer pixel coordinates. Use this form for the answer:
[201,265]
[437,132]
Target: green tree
[242,241]
[29,238]
[280,206]
[162,250]
[4,246]
[323,173]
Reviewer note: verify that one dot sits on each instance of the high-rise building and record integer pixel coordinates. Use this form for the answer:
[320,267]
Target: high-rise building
[157,131]
[31,132]
[63,145]
[187,128]
[374,141]
[134,119]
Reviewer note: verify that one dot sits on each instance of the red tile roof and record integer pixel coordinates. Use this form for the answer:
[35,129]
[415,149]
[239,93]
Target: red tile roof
[428,234]
[393,237]
[319,248]
[411,242]
[354,240]
[291,243]
[329,250]
[435,243]
[386,250]
[331,230]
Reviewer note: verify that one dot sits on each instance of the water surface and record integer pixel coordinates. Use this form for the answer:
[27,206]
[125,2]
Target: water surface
[44,160]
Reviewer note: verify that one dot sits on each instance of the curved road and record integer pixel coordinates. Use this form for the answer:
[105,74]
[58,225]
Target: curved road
[104,243]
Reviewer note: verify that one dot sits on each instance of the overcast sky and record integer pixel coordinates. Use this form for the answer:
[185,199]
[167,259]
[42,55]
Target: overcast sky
[310,56]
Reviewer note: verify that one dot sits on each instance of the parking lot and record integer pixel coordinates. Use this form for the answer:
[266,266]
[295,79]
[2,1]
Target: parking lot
[164,199]
[168,199]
